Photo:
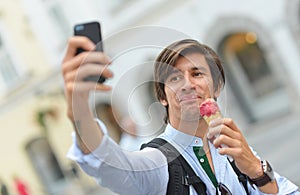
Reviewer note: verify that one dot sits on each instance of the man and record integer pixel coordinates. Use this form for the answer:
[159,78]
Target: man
[186,74]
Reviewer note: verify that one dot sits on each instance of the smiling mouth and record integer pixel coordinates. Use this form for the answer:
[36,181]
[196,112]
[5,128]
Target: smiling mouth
[189,98]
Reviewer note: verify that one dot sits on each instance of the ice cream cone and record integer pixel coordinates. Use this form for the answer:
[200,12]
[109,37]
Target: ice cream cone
[209,110]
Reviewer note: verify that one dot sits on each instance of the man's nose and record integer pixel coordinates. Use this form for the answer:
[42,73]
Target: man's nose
[188,82]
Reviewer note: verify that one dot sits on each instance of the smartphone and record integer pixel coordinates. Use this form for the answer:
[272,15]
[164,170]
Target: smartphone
[92,30]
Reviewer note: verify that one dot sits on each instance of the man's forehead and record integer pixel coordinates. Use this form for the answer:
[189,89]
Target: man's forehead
[188,67]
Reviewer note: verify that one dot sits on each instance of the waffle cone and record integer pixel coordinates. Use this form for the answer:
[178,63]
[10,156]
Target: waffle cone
[212,117]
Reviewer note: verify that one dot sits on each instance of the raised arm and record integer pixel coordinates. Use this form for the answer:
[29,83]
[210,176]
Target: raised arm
[74,69]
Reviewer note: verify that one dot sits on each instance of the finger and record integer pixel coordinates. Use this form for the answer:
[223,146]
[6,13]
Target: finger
[74,63]
[230,123]
[88,70]
[83,58]
[226,140]
[226,121]
[81,87]
[216,122]
[102,87]
[214,131]
[233,152]
[76,42]
[71,65]
[96,57]
[222,130]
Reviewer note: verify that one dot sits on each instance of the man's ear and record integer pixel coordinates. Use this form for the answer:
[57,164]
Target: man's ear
[164,102]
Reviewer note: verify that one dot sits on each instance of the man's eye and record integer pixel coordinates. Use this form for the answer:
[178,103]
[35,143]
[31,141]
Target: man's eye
[175,78]
[198,74]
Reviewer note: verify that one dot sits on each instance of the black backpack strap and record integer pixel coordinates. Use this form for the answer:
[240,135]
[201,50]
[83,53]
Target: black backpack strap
[242,177]
[176,161]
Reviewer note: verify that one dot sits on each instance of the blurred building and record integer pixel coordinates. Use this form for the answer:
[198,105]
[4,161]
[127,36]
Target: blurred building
[259,42]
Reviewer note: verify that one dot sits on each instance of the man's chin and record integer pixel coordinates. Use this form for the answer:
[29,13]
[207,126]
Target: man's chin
[190,113]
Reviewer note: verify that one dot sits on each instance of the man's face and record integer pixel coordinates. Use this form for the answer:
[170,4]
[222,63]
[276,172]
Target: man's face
[189,84]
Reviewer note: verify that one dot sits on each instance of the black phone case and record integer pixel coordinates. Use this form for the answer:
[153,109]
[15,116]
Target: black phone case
[92,30]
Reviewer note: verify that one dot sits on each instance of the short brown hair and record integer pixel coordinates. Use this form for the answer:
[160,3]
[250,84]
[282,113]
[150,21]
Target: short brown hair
[165,62]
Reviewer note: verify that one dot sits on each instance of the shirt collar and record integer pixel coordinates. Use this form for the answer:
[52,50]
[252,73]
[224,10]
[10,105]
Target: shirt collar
[182,139]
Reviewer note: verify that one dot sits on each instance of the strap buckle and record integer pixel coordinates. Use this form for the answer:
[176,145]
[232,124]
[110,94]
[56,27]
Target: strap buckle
[185,180]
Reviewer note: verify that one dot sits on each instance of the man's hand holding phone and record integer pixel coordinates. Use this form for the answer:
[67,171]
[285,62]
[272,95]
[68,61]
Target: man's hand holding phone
[77,67]
[91,30]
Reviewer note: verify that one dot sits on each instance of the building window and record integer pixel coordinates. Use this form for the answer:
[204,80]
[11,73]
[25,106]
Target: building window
[9,74]
[252,78]
[59,20]
[57,15]
[45,163]
[293,18]
[50,21]
[253,64]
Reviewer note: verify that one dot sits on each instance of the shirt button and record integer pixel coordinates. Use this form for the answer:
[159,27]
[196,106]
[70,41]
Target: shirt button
[201,160]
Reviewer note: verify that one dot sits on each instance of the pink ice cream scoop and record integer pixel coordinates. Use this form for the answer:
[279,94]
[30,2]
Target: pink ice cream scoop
[209,110]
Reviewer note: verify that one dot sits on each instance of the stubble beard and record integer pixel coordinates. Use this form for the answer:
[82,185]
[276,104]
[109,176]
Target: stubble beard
[190,113]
